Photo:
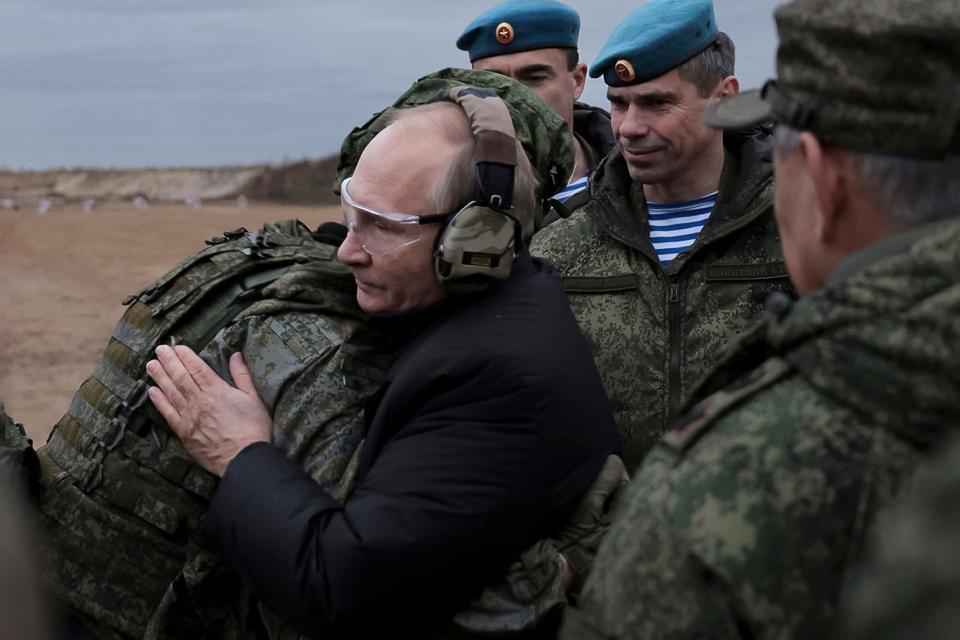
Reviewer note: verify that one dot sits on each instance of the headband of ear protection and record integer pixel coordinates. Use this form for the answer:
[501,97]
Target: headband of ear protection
[476,247]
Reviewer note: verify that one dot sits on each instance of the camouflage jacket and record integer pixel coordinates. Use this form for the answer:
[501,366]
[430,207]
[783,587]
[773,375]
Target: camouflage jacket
[744,520]
[655,332]
[121,502]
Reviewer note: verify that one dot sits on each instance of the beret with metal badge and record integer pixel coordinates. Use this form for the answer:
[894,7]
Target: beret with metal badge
[521,25]
[656,37]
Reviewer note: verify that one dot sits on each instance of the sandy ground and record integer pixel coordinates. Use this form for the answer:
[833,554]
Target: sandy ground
[64,274]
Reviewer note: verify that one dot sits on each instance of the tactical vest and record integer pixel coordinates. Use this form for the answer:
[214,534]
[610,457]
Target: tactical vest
[121,500]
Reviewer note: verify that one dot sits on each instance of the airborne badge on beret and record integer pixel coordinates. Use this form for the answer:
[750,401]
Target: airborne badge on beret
[505,33]
[625,71]
[520,25]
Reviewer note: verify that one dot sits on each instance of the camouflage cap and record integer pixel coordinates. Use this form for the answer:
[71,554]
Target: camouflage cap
[544,135]
[881,76]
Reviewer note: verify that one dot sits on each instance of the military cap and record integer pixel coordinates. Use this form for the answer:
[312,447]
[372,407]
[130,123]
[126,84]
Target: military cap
[878,77]
[521,25]
[544,135]
[658,36]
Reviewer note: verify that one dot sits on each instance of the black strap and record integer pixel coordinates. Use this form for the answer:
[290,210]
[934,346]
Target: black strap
[495,185]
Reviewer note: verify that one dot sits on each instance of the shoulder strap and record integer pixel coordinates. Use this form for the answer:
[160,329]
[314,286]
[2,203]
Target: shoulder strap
[188,305]
[557,209]
[687,430]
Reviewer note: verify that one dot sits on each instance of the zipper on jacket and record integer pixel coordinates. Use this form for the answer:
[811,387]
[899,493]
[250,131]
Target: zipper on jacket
[673,315]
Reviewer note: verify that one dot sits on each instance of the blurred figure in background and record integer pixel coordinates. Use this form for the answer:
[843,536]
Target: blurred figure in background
[909,586]
[23,615]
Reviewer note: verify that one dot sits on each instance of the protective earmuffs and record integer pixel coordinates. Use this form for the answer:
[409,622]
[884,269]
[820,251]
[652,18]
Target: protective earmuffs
[477,246]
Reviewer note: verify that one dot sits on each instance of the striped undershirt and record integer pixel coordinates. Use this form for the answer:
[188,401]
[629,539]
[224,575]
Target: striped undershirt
[674,226]
[572,188]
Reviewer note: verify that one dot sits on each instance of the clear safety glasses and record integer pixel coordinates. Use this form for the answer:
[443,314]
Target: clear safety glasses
[382,233]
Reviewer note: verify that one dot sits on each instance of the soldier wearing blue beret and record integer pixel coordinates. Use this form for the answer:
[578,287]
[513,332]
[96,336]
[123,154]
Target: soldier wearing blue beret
[535,43]
[676,250]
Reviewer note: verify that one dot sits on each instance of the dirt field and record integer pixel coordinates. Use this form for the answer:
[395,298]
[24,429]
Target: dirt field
[64,274]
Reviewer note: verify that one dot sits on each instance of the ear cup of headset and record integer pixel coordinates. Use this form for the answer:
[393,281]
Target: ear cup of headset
[476,247]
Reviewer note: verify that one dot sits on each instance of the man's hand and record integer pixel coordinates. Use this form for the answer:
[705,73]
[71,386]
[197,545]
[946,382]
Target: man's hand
[580,537]
[213,420]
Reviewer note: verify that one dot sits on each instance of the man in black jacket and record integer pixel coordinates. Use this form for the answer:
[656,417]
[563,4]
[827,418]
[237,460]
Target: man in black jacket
[490,427]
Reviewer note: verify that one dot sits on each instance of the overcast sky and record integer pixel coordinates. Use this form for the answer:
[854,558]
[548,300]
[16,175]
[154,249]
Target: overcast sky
[128,83]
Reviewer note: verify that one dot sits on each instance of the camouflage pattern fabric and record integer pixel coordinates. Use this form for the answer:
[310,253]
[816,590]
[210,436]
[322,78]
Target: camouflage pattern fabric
[19,467]
[122,517]
[909,586]
[744,520]
[122,501]
[834,60]
[534,593]
[314,364]
[837,77]
[655,332]
[544,135]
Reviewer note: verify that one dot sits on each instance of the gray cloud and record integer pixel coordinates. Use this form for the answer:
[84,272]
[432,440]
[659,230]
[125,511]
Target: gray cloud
[175,82]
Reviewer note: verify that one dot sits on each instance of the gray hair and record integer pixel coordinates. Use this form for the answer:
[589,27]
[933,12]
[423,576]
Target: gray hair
[786,139]
[706,69]
[457,186]
[912,191]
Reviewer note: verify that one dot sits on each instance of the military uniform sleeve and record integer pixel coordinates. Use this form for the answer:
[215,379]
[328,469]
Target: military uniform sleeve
[296,360]
[738,526]
[673,595]
[448,501]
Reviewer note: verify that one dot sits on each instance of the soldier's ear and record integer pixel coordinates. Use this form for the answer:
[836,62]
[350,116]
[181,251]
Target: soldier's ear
[729,86]
[826,168]
[580,79]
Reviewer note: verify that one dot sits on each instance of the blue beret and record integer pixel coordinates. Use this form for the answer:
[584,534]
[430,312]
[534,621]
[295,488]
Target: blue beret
[655,38]
[521,25]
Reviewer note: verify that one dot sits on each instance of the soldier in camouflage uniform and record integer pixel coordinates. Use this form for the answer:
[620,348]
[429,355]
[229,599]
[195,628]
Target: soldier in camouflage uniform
[657,299]
[535,43]
[746,518]
[121,502]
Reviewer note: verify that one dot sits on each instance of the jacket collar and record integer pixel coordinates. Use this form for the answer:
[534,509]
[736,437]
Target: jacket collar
[884,248]
[879,339]
[591,125]
[747,173]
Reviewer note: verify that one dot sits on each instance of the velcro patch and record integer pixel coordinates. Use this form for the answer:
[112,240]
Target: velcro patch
[736,272]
